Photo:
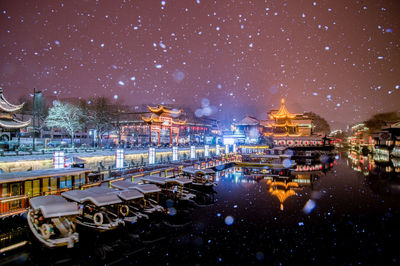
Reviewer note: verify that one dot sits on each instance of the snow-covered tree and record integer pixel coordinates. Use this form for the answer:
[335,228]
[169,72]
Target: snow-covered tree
[65,116]
[100,115]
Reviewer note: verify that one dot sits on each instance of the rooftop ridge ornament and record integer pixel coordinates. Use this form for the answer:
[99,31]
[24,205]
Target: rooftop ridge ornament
[282,112]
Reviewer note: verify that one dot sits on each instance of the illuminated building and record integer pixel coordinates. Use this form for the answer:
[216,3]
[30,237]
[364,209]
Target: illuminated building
[282,123]
[164,126]
[387,141]
[251,128]
[164,119]
[9,125]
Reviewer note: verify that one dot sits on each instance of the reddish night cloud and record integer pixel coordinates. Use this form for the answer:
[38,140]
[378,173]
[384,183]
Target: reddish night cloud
[339,59]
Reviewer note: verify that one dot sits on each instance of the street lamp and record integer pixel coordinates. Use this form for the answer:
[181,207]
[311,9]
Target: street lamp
[37,99]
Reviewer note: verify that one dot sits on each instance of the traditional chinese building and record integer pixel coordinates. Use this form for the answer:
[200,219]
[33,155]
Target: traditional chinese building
[9,124]
[164,121]
[282,123]
[251,128]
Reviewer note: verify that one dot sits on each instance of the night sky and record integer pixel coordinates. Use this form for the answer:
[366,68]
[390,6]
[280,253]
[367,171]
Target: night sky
[338,58]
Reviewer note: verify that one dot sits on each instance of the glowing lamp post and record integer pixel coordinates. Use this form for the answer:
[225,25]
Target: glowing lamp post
[217,151]
[206,151]
[152,155]
[193,152]
[174,153]
[59,160]
[119,158]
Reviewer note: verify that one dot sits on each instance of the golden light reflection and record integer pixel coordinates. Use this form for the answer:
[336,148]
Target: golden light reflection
[282,190]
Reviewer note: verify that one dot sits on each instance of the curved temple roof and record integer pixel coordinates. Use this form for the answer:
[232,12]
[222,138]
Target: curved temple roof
[283,112]
[155,119]
[7,120]
[7,107]
[162,109]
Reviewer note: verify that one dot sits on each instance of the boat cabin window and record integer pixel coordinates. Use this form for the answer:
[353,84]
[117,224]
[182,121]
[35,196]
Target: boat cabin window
[4,190]
[65,182]
[68,182]
[62,182]
[16,189]
[45,186]
[36,188]
[53,183]
[28,188]
[79,180]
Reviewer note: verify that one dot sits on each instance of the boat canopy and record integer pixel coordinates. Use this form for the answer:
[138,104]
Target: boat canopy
[124,195]
[194,171]
[146,188]
[156,180]
[182,181]
[54,206]
[143,188]
[94,195]
[123,184]
[190,170]
[130,194]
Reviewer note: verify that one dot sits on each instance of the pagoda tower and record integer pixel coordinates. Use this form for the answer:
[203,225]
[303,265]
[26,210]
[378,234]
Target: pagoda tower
[8,122]
[164,119]
[283,124]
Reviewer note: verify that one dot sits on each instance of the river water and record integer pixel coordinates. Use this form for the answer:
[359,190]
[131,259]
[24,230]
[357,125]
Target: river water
[346,215]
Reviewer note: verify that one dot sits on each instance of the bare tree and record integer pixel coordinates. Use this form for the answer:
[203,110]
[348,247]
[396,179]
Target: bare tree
[100,115]
[118,119]
[65,116]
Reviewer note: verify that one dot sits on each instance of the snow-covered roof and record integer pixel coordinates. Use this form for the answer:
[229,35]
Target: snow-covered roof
[124,195]
[248,121]
[130,194]
[54,206]
[156,180]
[146,188]
[13,124]
[143,188]
[7,107]
[395,125]
[182,181]
[192,170]
[29,175]
[95,195]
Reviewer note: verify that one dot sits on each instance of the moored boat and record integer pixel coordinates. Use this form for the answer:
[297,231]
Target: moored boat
[52,220]
[201,178]
[150,191]
[129,210]
[175,187]
[99,210]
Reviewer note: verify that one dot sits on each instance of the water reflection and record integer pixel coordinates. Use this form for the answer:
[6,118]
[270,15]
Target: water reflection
[382,171]
[299,217]
[282,190]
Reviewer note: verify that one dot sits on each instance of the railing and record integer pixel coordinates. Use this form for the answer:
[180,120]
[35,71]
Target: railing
[13,205]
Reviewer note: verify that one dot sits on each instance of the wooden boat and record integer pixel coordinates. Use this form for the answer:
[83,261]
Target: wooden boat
[18,187]
[52,220]
[201,178]
[99,210]
[129,210]
[173,186]
[151,194]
